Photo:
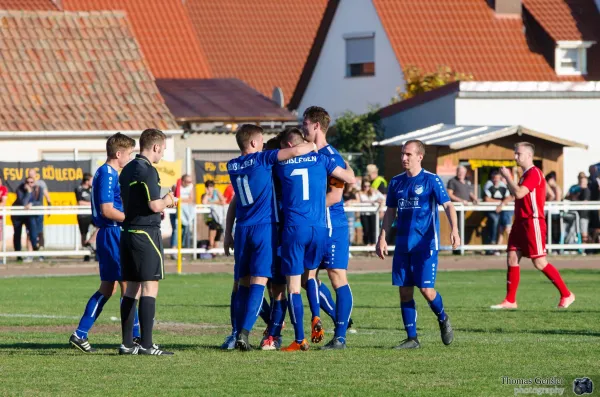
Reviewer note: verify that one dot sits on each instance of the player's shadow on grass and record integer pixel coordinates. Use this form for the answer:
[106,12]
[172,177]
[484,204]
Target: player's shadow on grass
[536,331]
[49,348]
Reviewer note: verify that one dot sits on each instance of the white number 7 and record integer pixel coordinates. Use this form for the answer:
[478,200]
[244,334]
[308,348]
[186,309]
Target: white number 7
[304,173]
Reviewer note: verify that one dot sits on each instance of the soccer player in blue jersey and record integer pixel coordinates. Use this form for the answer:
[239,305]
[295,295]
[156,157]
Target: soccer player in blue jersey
[255,240]
[107,215]
[414,196]
[304,234]
[315,124]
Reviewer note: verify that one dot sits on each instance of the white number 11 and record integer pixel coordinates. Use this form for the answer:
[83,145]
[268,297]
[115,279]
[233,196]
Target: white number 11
[304,173]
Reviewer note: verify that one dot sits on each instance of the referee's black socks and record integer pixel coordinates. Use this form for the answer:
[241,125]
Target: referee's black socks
[128,319]
[146,313]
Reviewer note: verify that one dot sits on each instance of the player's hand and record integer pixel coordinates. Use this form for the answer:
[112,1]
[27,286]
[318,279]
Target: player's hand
[381,248]
[499,208]
[455,239]
[227,243]
[505,172]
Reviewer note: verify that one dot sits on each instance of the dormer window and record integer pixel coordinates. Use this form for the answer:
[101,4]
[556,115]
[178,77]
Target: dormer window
[570,58]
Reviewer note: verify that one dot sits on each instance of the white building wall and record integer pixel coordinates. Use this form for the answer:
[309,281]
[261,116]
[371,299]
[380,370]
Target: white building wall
[573,119]
[330,88]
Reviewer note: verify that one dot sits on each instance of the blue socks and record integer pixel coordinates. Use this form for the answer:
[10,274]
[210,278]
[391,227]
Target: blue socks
[297,315]
[232,311]
[312,292]
[344,304]
[326,301]
[277,317]
[437,306]
[253,307]
[409,317]
[265,311]
[241,297]
[92,311]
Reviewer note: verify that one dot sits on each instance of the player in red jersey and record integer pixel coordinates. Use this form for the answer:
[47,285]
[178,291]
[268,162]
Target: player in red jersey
[528,235]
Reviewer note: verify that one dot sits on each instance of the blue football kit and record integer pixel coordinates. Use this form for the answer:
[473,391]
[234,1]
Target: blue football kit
[255,241]
[337,249]
[106,189]
[417,238]
[304,186]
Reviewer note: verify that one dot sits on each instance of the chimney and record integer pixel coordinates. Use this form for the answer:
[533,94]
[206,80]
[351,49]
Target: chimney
[507,8]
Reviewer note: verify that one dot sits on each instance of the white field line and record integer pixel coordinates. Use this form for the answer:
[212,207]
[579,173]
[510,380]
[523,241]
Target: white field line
[20,315]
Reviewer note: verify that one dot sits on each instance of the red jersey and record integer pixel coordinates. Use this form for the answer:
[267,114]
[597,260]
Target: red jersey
[532,205]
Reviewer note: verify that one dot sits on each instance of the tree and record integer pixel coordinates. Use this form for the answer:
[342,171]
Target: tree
[418,82]
[355,134]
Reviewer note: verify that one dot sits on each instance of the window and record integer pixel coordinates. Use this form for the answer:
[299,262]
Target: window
[571,58]
[360,54]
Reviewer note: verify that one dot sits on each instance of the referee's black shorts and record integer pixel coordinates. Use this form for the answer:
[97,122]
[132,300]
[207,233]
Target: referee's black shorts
[142,254]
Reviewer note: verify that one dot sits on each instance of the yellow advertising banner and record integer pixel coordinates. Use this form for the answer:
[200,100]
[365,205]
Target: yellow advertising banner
[169,172]
[492,163]
[58,198]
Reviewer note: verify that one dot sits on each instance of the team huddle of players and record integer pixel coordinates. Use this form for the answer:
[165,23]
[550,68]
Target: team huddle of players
[289,223]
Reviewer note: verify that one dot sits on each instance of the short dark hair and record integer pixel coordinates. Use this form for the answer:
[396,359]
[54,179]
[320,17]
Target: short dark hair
[292,135]
[550,175]
[420,145]
[210,183]
[317,114]
[273,143]
[245,133]
[118,142]
[86,177]
[494,173]
[151,137]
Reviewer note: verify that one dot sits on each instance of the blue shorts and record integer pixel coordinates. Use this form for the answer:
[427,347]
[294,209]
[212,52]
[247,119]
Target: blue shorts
[107,247]
[302,248]
[414,269]
[254,250]
[337,250]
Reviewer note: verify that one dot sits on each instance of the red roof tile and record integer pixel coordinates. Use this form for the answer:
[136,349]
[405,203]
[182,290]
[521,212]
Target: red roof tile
[465,35]
[164,31]
[262,42]
[30,5]
[51,78]
[567,19]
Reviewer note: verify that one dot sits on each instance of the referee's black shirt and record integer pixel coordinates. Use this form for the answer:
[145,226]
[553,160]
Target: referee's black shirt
[140,184]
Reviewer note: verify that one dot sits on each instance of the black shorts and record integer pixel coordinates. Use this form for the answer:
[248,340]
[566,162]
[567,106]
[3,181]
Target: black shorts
[84,222]
[142,254]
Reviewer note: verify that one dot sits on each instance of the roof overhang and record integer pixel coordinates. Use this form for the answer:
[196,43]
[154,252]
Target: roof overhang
[76,134]
[458,137]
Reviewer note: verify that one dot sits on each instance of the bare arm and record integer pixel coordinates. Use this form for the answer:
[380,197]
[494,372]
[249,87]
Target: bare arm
[334,196]
[346,175]
[473,198]
[205,198]
[453,220]
[47,196]
[518,191]
[222,200]
[299,150]
[168,201]
[108,211]
[388,220]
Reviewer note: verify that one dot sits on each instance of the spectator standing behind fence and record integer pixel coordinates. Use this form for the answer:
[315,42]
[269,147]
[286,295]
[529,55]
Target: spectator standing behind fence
[3,197]
[187,203]
[24,198]
[350,197]
[460,190]
[499,220]
[377,181]
[214,220]
[594,186]
[367,219]
[83,195]
[40,193]
[582,193]
[553,193]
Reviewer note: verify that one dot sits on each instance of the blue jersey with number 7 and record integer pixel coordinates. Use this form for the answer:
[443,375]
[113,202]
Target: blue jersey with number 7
[304,186]
[252,180]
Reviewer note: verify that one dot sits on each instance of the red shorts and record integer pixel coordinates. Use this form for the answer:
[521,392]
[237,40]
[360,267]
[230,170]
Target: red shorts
[529,237]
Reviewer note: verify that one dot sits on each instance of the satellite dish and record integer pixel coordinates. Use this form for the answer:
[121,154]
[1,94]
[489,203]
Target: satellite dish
[277,96]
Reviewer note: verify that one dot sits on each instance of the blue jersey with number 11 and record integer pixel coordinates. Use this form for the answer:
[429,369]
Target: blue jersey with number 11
[304,186]
[252,180]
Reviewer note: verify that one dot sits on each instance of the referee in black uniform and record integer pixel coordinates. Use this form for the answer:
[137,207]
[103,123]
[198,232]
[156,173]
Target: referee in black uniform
[141,242]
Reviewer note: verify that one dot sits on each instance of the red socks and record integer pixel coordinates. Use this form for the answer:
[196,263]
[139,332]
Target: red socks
[512,283]
[553,275]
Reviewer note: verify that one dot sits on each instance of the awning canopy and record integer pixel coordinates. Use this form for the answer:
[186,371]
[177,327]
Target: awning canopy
[463,136]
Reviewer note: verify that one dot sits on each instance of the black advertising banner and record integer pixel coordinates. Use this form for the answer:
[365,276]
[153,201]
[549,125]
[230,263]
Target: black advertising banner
[211,171]
[60,176]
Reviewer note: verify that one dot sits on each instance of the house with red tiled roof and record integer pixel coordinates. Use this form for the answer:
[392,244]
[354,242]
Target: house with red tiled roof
[68,80]
[534,63]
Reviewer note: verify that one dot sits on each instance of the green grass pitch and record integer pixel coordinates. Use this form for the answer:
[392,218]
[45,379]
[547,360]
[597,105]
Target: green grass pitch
[537,340]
